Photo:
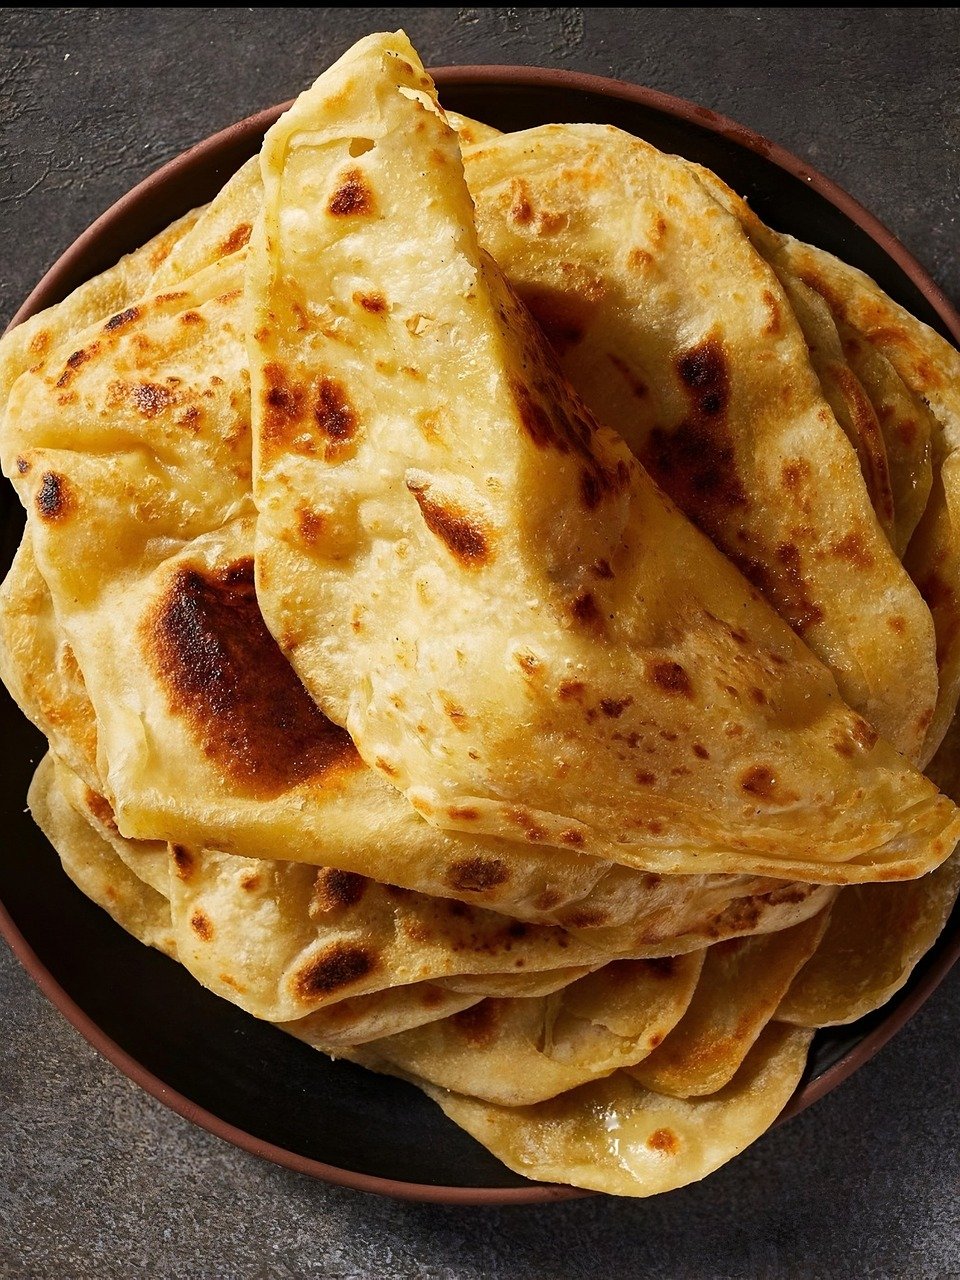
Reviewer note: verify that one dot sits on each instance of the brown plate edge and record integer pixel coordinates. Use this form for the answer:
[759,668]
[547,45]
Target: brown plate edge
[49,290]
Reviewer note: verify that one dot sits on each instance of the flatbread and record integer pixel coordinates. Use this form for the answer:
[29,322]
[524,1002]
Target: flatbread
[95,868]
[913,376]
[676,331]
[741,985]
[107,870]
[515,626]
[32,343]
[519,1052]
[615,1136]
[878,933]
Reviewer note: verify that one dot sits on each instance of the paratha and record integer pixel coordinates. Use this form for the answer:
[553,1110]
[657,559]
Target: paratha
[515,625]
[678,333]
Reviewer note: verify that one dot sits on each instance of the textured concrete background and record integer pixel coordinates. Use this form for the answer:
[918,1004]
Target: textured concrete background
[97,1179]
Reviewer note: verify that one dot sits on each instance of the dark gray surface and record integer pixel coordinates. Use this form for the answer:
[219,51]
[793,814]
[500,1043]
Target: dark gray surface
[98,1179]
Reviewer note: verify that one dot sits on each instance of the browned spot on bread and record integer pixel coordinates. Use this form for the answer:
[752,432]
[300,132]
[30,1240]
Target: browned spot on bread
[463,813]
[40,342]
[645,778]
[615,707]
[282,401]
[742,915]
[429,424]
[696,461]
[75,360]
[375,303]
[784,584]
[760,780]
[336,890]
[202,925]
[338,966]
[851,547]
[591,488]
[150,398]
[478,1024]
[536,420]
[454,712]
[547,900]
[521,209]
[897,623]
[584,918]
[332,411]
[572,837]
[184,861]
[671,677]
[639,259]
[385,767]
[99,806]
[189,418]
[530,827]
[23,466]
[225,675]
[704,373]
[464,536]
[310,525]
[584,608]
[529,663]
[238,237]
[477,874]
[637,386]
[700,751]
[191,317]
[250,882]
[665,1141]
[54,499]
[601,569]
[789,590]
[795,473]
[569,690]
[775,316]
[563,426]
[352,197]
[122,318]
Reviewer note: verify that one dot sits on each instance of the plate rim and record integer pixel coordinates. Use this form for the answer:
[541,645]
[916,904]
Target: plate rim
[49,288]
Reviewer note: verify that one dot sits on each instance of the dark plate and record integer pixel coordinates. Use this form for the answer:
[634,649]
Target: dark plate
[242,1079]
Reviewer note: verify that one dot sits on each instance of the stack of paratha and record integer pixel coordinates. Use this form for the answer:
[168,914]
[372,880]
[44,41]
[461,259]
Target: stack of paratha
[490,601]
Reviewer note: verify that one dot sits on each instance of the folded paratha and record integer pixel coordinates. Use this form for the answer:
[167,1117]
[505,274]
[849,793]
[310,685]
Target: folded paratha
[913,376]
[517,628]
[729,384]
[613,1135]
